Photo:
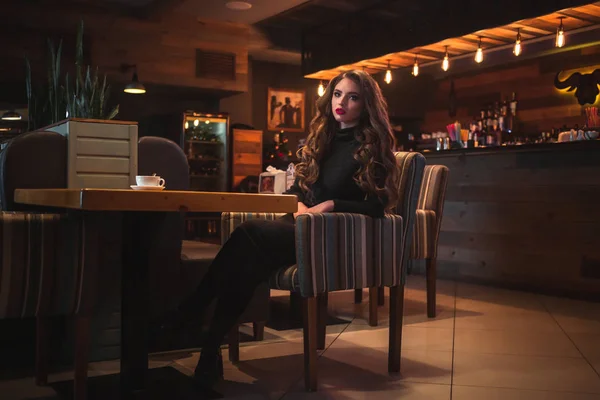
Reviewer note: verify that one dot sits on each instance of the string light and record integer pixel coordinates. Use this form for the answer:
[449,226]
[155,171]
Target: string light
[518,49]
[479,54]
[321,89]
[446,62]
[416,67]
[560,34]
[388,74]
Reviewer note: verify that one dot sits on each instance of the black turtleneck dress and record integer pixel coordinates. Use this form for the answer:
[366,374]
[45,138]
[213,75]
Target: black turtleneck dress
[336,180]
[257,248]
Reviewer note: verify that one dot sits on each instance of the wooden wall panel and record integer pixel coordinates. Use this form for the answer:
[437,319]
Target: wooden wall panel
[541,106]
[527,218]
[163,50]
[246,154]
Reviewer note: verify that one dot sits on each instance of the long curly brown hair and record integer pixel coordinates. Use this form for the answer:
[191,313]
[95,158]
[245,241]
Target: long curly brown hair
[378,172]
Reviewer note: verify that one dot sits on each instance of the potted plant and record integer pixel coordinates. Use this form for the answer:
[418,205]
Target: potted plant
[102,151]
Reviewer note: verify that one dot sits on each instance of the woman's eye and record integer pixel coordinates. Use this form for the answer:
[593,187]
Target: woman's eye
[353,98]
[336,94]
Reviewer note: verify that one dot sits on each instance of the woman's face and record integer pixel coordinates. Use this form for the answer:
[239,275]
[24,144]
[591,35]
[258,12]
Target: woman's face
[347,103]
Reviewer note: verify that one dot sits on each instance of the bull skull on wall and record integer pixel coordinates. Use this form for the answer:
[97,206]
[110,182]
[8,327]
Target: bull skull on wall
[585,86]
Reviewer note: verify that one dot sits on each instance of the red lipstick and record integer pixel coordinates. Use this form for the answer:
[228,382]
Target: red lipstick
[340,111]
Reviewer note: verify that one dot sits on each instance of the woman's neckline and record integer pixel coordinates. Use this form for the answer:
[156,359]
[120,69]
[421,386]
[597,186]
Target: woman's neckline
[345,133]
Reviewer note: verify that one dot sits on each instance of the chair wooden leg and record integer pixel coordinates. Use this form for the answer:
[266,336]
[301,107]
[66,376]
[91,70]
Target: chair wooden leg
[358,294]
[309,308]
[396,314]
[259,330]
[373,294]
[82,351]
[431,267]
[233,340]
[41,350]
[322,300]
[381,296]
[295,306]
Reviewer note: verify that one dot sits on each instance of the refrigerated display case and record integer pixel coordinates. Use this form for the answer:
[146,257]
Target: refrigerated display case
[206,143]
[205,139]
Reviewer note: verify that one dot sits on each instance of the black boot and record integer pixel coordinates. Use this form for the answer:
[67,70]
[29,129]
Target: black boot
[208,372]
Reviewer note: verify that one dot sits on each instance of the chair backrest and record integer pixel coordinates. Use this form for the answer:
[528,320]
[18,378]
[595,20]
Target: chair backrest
[43,270]
[33,160]
[432,197]
[165,158]
[160,156]
[411,167]
[433,188]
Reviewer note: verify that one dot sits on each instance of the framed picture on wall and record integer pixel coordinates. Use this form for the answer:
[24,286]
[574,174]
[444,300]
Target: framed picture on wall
[285,110]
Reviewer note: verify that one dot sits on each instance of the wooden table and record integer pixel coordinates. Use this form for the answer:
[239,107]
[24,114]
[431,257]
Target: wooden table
[143,212]
[154,201]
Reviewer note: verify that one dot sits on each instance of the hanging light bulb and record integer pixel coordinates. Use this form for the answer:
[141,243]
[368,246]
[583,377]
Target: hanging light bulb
[518,49]
[560,34]
[196,122]
[416,67]
[479,54]
[321,89]
[446,62]
[388,74]
[186,125]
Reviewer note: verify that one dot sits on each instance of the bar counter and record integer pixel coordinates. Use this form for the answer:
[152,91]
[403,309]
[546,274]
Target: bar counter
[524,217]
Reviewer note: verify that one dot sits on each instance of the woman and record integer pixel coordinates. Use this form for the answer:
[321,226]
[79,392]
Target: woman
[347,165]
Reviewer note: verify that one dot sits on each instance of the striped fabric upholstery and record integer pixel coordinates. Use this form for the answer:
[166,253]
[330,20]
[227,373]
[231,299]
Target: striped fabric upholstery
[39,270]
[334,252]
[411,166]
[430,209]
[388,260]
[424,238]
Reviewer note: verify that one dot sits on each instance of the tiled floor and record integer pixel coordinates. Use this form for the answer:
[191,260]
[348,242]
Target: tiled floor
[485,343]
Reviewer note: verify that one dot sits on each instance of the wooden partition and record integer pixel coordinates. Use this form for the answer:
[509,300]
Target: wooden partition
[526,217]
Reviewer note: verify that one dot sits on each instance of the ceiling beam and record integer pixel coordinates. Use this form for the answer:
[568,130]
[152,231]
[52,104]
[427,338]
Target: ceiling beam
[371,38]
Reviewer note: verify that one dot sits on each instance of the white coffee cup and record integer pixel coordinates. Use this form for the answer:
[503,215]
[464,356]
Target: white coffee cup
[145,180]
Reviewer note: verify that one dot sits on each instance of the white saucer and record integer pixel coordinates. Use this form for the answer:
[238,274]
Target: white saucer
[155,188]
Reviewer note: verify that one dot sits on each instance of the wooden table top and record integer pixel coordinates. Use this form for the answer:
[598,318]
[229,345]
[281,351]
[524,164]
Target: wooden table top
[165,200]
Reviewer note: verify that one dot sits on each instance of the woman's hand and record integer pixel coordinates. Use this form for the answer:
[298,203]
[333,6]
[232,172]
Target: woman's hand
[301,209]
[326,206]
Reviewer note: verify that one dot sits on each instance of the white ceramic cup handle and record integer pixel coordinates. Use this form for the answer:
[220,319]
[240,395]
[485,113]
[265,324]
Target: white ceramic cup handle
[161,182]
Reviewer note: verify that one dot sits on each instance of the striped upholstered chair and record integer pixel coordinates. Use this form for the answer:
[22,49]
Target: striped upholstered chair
[430,210]
[426,231]
[342,251]
[42,273]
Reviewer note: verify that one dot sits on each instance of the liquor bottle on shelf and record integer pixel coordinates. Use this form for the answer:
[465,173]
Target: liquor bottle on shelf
[513,105]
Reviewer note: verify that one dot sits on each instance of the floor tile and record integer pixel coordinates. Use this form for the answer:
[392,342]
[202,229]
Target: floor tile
[516,342]
[379,390]
[574,316]
[531,321]
[525,372]
[479,393]
[589,346]
[19,389]
[416,365]
[413,337]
